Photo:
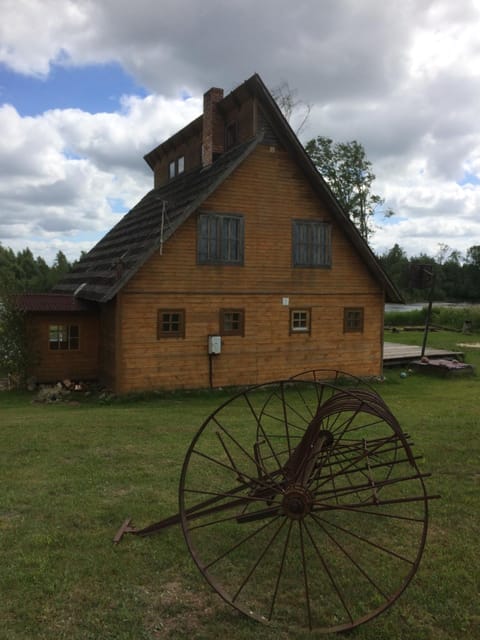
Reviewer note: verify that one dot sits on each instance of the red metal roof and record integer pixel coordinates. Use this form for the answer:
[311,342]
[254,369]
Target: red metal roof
[51,302]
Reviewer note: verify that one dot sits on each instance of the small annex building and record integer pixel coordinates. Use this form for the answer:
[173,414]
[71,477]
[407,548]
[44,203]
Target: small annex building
[238,267]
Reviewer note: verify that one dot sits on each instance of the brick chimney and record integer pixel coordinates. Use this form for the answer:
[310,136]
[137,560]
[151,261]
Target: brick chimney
[213,134]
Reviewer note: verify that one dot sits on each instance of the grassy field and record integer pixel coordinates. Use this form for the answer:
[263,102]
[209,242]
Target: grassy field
[71,472]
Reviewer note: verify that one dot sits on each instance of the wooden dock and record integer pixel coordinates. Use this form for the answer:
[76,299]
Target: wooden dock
[397,354]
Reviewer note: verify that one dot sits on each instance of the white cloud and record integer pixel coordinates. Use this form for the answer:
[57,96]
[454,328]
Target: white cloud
[65,170]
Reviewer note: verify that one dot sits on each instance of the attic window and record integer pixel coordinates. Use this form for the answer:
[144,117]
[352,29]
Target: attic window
[312,243]
[231,135]
[176,167]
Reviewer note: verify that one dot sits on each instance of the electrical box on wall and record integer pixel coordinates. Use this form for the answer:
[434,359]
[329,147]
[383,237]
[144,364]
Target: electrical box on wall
[214,344]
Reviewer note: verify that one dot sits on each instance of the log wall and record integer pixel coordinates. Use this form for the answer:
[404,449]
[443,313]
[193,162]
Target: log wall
[269,191]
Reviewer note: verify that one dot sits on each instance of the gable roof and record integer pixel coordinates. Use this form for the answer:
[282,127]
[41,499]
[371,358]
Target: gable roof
[118,256]
[142,231]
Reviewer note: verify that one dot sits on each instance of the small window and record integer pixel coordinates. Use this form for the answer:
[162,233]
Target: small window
[176,167]
[64,337]
[231,135]
[312,243]
[232,322]
[353,320]
[171,323]
[220,239]
[300,321]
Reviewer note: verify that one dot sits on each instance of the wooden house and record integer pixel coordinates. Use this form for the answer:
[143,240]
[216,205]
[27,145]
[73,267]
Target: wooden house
[238,267]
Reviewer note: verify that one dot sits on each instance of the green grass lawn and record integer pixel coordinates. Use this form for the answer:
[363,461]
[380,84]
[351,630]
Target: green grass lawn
[71,473]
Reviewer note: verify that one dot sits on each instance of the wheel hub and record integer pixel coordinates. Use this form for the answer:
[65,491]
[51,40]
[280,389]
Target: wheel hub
[297,502]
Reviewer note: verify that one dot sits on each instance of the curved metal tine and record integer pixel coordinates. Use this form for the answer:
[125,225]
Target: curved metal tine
[366,487]
[346,451]
[350,463]
[347,473]
[357,405]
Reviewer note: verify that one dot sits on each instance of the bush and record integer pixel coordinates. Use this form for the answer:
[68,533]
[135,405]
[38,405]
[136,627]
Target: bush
[454,317]
[448,317]
[405,318]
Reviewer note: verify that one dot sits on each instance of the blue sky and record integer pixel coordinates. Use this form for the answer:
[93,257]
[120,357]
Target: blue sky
[93,88]
[86,89]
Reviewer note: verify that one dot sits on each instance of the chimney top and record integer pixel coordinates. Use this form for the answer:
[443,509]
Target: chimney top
[212,138]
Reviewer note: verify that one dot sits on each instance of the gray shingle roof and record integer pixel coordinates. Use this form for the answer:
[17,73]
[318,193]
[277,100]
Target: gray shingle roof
[123,250]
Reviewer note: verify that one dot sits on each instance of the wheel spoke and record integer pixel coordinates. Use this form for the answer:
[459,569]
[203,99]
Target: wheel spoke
[330,575]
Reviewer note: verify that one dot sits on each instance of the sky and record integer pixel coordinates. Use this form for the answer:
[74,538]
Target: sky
[88,87]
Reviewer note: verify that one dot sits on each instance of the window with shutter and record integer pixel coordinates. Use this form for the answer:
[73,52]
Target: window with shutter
[220,239]
[312,243]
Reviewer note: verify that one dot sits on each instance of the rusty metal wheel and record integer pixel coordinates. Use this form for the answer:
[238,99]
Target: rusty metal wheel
[302,504]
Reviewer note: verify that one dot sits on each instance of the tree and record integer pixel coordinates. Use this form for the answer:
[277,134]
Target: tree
[292,107]
[15,356]
[397,265]
[348,173]
[24,273]
[473,255]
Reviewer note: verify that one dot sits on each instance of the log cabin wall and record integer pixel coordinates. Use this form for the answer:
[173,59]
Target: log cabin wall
[52,365]
[108,344]
[269,191]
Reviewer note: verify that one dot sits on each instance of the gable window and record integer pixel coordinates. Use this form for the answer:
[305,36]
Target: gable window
[353,319]
[232,322]
[231,135]
[176,167]
[299,320]
[312,243]
[171,323]
[63,337]
[220,239]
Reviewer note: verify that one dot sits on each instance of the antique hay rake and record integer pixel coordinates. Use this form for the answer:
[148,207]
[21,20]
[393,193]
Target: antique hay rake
[302,504]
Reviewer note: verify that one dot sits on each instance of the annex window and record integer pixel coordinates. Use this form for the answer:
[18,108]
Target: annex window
[353,319]
[171,323]
[220,239]
[312,243]
[232,322]
[64,337]
[299,320]
[171,169]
